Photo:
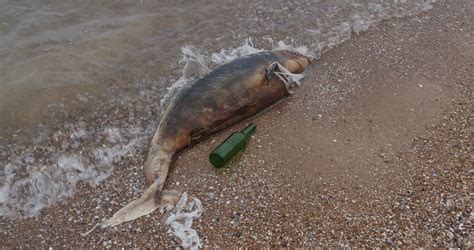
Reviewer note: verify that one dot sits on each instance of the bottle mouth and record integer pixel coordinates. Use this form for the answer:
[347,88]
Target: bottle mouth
[216,160]
[249,129]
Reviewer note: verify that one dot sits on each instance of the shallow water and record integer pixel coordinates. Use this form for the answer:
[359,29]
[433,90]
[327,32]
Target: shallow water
[82,84]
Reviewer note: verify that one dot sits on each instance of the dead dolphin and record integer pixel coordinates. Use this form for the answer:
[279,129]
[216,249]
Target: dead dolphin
[229,94]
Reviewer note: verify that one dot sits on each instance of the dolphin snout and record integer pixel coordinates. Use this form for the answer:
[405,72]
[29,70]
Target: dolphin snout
[296,63]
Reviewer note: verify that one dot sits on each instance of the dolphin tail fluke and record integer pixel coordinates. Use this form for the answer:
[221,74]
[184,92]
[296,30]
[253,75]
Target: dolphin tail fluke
[156,171]
[144,205]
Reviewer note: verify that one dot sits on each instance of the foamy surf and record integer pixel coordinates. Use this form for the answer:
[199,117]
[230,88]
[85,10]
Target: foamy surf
[27,184]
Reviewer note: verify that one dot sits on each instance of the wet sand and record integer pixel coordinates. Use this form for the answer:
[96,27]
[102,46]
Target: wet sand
[374,149]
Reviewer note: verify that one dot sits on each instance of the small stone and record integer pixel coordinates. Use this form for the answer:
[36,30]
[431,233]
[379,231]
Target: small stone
[237,234]
[450,234]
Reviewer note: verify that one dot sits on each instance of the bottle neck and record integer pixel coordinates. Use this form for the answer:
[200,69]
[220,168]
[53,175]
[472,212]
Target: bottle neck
[249,129]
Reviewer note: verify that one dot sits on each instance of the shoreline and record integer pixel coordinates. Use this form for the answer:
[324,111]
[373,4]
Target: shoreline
[373,150]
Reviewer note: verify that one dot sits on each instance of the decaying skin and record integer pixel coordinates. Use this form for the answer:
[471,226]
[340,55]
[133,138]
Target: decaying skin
[227,95]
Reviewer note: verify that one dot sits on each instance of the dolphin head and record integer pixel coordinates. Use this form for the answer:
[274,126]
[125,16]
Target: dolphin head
[296,63]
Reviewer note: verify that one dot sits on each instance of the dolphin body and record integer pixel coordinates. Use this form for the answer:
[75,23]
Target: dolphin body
[226,95]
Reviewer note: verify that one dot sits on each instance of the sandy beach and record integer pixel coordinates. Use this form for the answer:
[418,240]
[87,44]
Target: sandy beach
[374,149]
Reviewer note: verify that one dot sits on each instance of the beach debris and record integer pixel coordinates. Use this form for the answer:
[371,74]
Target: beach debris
[181,219]
[231,146]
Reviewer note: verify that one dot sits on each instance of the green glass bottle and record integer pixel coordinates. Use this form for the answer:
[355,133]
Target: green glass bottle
[231,146]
